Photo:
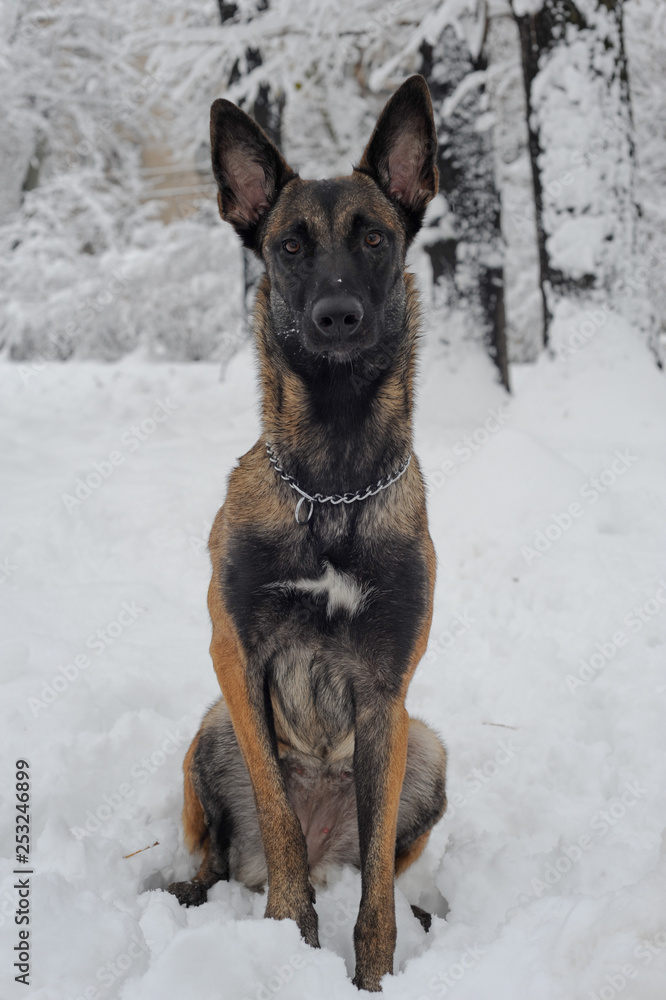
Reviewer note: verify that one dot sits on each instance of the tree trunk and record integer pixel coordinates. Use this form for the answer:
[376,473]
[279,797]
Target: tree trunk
[466,244]
[267,112]
[581,152]
[530,51]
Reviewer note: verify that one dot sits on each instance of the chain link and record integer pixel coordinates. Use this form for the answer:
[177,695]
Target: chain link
[333,498]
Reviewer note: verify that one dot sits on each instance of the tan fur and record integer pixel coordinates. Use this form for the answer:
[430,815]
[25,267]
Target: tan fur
[413,852]
[194,823]
[325,690]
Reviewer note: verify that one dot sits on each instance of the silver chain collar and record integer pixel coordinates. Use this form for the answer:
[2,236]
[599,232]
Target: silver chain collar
[334,498]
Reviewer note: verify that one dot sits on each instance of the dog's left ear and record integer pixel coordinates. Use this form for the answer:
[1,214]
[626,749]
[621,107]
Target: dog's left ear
[401,153]
[248,168]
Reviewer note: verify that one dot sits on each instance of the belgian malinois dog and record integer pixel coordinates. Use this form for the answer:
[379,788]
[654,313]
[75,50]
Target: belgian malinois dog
[323,567]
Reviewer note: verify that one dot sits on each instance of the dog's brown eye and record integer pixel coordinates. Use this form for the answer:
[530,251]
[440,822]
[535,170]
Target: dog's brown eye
[291,246]
[374,239]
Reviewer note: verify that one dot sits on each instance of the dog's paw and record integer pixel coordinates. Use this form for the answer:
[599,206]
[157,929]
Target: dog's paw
[189,893]
[370,984]
[303,913]
[308,924]
[423,917]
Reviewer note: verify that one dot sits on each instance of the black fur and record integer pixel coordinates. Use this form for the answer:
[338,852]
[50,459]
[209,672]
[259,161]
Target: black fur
[318,626]
[316,788]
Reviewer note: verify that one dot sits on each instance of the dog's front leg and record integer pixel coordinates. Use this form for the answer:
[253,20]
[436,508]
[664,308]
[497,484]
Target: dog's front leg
[290,894]
[380,757]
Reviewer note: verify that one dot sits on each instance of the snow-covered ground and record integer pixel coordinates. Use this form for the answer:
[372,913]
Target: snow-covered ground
[545,674]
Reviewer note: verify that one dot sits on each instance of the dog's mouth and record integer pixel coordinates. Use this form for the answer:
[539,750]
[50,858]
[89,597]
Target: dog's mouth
[340,349]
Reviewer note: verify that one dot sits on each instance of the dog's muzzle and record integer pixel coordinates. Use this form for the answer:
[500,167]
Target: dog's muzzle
[337,317]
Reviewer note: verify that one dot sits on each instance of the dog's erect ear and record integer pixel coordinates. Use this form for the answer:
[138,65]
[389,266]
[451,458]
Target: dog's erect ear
[248,169]
[401,153]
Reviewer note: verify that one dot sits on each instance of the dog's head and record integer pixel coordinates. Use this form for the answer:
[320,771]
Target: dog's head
[334,249]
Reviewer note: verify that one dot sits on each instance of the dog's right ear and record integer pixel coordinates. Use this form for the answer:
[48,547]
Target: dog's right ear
[248,168]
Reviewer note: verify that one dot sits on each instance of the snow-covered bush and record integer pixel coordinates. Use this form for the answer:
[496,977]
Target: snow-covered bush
[87,90]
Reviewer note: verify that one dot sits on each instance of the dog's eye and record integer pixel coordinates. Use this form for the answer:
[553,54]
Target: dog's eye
[373,239]
[291,246]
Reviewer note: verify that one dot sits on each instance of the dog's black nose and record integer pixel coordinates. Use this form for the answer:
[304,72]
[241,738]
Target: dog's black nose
[337,316]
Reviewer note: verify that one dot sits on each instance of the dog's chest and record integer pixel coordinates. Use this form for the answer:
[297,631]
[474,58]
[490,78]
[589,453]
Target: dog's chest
[340,592]
[315,660]
[312,579]
[325,621]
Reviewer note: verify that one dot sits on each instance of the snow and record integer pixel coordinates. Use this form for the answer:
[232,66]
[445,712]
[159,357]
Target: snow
[545,668]
[544,674]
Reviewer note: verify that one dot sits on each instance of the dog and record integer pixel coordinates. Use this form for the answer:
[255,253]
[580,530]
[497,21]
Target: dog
[323,566]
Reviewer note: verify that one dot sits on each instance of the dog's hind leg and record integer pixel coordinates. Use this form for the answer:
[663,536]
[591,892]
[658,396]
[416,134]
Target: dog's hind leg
[201,835]
[195,892]
[423,796]
[220,815]
[422,801]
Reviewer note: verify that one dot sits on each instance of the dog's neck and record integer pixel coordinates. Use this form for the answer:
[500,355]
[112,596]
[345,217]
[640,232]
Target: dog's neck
[346,426]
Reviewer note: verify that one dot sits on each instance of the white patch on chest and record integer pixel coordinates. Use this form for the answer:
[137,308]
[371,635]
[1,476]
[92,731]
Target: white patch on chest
[342,591]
